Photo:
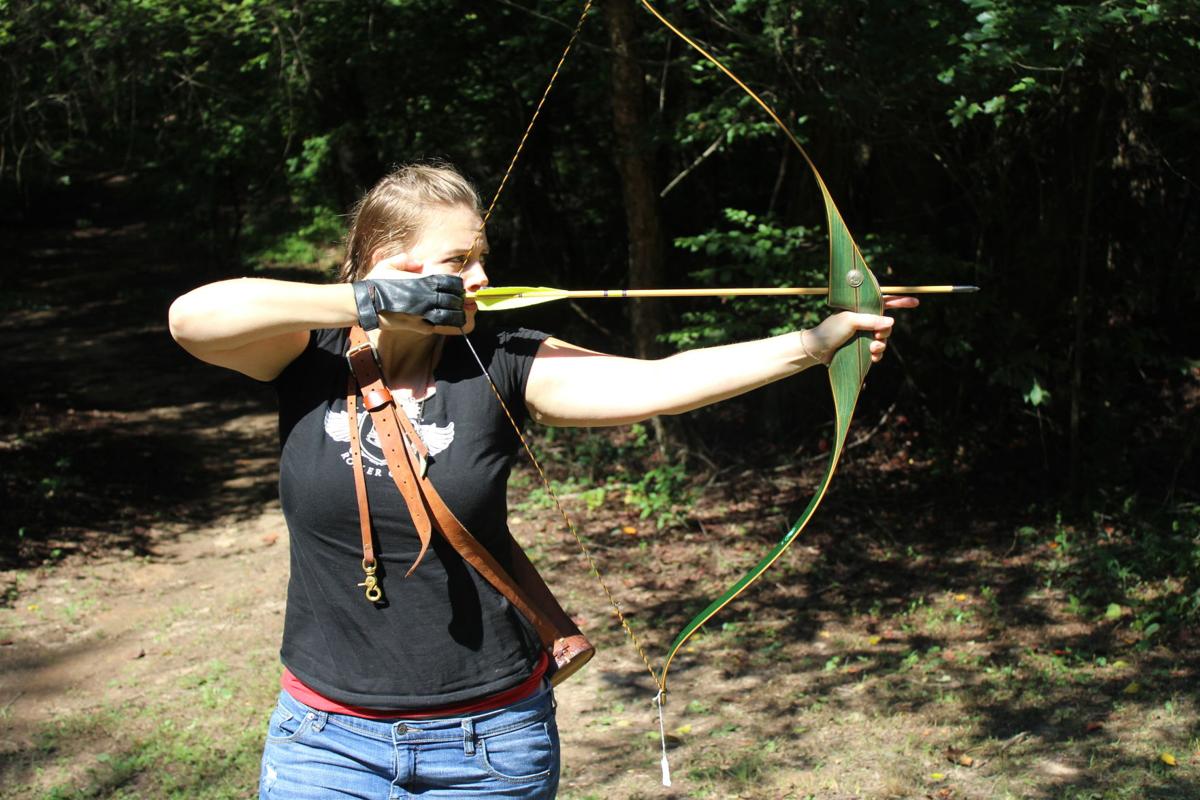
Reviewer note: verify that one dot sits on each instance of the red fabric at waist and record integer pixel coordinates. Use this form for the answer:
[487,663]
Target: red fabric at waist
[311,698]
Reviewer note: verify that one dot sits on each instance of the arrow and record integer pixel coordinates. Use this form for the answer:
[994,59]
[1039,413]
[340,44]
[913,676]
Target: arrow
[504,298]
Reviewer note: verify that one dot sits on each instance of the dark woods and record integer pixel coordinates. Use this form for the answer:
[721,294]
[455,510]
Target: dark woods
[1045,151]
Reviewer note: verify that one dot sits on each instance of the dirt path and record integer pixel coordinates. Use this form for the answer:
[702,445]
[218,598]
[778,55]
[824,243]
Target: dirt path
[88,633]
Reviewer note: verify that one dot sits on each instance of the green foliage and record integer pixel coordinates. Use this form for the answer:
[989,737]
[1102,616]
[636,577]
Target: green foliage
[622,464]
[1046,42]
[1131,569]
[1042,150]
[313,243]
[1037,395]
[663,494]
[750,251]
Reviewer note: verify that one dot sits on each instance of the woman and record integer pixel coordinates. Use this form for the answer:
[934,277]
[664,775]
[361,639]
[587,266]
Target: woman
[440,689]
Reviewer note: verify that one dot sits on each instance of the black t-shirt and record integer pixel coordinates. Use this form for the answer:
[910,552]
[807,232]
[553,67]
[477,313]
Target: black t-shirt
[443,635]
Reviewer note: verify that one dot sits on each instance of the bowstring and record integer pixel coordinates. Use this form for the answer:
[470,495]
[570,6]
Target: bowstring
[583,548]
[587,7]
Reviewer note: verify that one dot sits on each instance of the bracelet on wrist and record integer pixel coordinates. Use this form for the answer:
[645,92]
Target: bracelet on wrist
[805,350]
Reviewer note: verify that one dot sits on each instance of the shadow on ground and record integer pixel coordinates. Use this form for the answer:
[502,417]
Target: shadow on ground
[107,428]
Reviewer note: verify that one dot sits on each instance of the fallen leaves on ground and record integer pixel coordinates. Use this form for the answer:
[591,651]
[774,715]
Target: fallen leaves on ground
[959,757]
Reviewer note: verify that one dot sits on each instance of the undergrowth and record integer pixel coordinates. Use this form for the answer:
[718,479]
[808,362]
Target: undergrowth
[1139,569]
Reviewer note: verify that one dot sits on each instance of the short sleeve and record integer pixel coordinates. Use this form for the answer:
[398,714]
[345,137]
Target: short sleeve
[321,343]
[314,376]
[512,362]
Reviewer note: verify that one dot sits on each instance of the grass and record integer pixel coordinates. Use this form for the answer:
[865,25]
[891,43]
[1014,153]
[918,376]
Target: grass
[156,749]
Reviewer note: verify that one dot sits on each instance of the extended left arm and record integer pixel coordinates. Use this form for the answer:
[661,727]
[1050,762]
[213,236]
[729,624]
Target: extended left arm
[569,385]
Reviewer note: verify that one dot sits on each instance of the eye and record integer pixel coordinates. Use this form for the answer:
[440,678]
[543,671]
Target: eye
[461,260]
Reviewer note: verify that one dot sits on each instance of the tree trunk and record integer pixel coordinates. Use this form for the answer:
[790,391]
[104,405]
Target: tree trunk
[635,163]
[1075,445]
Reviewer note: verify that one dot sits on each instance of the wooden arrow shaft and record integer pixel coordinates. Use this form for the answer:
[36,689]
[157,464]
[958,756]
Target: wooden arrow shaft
[581,294]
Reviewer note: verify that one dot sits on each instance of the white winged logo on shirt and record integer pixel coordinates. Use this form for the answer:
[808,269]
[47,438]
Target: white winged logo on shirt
[337,426]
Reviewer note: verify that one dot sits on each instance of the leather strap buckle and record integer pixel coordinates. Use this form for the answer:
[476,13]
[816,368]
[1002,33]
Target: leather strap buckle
[356,350]
[375,394]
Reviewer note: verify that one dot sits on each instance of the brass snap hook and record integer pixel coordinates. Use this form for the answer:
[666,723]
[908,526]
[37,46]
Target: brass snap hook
[371,583]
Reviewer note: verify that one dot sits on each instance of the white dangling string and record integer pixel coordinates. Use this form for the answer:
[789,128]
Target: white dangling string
[662,735]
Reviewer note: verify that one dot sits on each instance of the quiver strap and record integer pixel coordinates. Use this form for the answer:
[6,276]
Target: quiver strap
[407,459]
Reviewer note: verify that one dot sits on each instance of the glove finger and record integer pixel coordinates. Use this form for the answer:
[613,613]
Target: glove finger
[452,302]
[450,284]
[441,316]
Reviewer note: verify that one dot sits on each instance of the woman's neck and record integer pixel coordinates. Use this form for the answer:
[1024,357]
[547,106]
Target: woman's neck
[408,359]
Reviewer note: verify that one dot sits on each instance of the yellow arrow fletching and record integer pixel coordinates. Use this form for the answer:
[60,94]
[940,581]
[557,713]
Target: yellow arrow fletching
[503,298]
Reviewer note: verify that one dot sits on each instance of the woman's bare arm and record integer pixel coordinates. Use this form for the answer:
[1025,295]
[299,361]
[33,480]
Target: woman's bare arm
[569,385]
[257,326]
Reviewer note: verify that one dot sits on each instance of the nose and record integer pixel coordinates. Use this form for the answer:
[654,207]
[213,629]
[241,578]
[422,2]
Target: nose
[474,276]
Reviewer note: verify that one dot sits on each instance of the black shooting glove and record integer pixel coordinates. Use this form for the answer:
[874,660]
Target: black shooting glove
[437,299]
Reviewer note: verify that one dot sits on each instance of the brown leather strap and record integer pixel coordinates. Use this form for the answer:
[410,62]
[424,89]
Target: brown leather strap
[360,483]
[371,582]
[378,401]
[407,459]
[523,587]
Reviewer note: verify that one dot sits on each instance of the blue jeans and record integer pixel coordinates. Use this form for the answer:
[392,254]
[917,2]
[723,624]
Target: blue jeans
[506,752]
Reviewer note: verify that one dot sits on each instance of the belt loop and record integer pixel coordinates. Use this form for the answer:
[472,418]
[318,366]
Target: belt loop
[319,720]
[468,728]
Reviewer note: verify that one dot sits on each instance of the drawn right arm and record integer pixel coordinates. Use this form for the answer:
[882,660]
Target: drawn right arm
[257,326]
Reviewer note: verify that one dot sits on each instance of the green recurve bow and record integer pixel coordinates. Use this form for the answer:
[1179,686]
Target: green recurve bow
[852,287]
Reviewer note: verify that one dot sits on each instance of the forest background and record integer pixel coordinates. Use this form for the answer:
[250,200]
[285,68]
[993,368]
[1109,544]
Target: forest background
[1045,151]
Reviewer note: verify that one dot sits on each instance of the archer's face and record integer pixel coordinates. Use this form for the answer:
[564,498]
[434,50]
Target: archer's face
[450,242]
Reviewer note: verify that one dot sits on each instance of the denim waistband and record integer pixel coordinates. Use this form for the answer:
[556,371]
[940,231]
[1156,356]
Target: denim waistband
[469,728]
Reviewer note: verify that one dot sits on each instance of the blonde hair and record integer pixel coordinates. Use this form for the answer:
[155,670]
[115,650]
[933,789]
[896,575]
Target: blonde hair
[388,217]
